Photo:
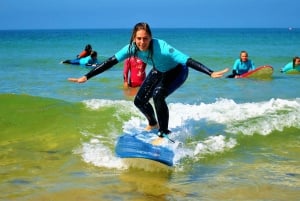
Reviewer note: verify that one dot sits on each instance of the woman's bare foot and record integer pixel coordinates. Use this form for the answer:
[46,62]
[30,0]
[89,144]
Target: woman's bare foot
[149,127]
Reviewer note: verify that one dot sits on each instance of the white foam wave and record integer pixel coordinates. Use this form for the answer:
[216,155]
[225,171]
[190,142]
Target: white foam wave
[245,118]
[221,121]
[98,154]
[122,105]
[214,144]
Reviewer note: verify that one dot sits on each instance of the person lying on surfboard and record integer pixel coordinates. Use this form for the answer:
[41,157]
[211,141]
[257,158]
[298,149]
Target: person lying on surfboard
[170,70]
[241,65]
[295,64]
[90,60]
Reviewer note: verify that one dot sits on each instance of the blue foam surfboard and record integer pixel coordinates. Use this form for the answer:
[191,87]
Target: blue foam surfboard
[130,146]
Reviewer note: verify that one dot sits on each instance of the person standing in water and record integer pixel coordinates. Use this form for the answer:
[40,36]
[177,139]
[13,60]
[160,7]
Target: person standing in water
[134,72]
[169,72]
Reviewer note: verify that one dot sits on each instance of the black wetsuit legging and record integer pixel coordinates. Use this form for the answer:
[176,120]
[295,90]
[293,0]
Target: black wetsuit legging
[158,86]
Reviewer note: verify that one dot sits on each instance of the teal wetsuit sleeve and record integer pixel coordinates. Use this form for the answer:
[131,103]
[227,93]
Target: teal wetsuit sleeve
[287,67]
[166,57]
[180,57]
[122,54]
[172,52]
[236,65]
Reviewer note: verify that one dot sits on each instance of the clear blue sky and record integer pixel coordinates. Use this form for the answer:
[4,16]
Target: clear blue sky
[60,14]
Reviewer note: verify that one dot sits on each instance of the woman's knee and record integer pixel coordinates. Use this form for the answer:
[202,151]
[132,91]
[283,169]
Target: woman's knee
[138,102]
[159,94]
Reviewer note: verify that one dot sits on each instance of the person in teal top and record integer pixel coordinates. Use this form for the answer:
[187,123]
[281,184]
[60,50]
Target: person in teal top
[170,70]
[87,61]
[241,65]
[292,65]
[164,55]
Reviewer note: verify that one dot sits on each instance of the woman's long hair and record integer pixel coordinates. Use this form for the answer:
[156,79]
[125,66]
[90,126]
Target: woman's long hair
[294,61]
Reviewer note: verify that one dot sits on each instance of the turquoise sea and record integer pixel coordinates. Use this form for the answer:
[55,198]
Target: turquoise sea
[239,137]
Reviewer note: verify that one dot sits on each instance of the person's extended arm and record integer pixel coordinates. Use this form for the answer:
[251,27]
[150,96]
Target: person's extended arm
[102,67]
[199,66]
[202,68]
[97,70]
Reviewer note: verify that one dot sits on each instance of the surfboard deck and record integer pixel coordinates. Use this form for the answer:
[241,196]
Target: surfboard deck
[262,72]
[138,146]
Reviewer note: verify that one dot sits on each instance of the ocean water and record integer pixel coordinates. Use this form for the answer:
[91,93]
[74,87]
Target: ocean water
[239,138]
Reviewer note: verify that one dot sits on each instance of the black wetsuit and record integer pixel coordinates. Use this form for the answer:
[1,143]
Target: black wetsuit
[160,85]
[157,85]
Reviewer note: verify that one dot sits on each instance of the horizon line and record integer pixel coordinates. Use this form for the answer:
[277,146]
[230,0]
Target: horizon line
[37,29]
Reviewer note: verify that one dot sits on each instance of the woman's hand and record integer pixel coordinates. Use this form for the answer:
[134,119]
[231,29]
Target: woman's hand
[78,80]
[125,85]
[218,74]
